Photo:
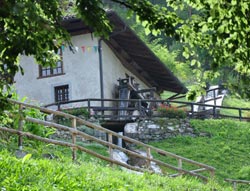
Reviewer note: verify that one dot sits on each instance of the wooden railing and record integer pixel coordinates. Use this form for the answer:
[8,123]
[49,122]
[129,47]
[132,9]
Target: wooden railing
[109,109]
[179,167]
[235,182]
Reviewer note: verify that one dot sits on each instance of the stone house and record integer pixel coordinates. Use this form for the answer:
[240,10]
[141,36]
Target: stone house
[91,67]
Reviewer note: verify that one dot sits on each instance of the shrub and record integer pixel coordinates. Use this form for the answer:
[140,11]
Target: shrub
[79,112]
[171,111]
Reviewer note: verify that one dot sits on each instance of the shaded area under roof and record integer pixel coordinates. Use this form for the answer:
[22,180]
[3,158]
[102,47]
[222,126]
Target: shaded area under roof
[133,53]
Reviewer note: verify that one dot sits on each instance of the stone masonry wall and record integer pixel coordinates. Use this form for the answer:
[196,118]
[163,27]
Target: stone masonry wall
[158,129]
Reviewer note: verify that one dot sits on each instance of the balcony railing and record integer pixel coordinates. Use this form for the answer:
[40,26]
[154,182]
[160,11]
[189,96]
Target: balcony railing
[113,109]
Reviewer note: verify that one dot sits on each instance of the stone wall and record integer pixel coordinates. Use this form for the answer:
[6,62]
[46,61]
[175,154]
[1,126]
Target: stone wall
[158,129]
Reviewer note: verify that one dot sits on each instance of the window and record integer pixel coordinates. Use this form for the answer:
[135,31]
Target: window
[52,71]
[62,93]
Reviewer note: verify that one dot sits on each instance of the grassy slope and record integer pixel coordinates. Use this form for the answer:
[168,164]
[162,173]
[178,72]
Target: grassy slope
[227,149]
[42,174]
[234,102]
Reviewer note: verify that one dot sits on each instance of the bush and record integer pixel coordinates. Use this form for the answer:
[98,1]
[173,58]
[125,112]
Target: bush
[171,111]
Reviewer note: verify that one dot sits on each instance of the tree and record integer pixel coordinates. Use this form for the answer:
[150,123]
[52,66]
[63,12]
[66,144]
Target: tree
[32,27]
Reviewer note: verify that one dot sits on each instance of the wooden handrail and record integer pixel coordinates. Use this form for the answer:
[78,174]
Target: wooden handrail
[71,145]
[188,104]
[235,182]
[74,132]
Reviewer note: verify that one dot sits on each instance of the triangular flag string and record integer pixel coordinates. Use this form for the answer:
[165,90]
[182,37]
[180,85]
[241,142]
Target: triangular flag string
[89,49]
[83,48]
[95,48]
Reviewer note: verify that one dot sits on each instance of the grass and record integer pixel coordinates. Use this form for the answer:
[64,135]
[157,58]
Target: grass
[42,174]
[227,148]
[235,102]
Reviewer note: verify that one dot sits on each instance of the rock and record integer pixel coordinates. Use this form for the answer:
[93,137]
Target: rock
[142,163]
[131,128]
[153,126]
[189,130]
[135,115]
[20,153]
[155,168]
[49,156]
[170,128]
[120,156]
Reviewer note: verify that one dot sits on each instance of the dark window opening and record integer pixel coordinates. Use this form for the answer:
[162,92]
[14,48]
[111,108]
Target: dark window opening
[62,93]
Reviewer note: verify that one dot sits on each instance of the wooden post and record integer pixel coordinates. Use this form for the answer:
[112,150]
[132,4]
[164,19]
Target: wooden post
[148,157]
[74,139]
[192,110]
[214,107]
[20,127]
[90,114]
[211,173]
[214,97]
[240,114]
[180,166]
[110,139]
[235,186]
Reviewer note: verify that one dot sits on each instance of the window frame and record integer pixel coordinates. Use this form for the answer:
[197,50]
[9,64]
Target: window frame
[62,96]
[50,71]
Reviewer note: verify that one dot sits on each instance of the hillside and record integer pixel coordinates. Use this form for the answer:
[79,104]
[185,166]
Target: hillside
[223,144]
[43,174]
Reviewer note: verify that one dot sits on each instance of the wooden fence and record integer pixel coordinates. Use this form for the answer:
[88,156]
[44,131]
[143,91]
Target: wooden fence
[108,109]
[179,167]
[235,182]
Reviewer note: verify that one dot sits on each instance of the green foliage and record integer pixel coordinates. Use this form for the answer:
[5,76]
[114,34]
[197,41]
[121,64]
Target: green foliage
[28,28]
[79,112]
[11,119]
[224,146]
[171,111]
[55,175]
[36,128]
[83,112]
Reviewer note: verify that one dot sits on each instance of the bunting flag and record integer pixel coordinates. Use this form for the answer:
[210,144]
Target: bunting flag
[76,48]
[89,48]
[83,49]
[62,47]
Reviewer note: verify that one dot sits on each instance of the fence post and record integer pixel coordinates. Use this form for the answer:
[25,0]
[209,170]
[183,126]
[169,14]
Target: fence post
[235,186]
[90,114]
[211,173]
[148,157]
[180,166]
[58,106]
[110,139]
[240,114]
[214,97]
[20,127]
[74,139]
[214,107]
[192,110]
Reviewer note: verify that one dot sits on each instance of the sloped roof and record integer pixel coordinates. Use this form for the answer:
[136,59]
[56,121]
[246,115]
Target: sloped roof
[133,53]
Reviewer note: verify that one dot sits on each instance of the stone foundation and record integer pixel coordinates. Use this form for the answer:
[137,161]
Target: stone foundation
[158,129]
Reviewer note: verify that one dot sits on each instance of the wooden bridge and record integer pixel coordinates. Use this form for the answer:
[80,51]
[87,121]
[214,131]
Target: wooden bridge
[176,166]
